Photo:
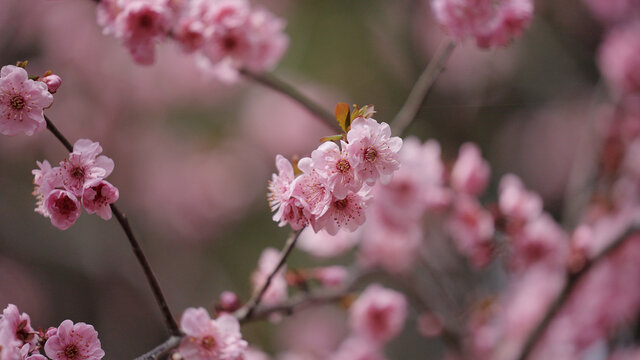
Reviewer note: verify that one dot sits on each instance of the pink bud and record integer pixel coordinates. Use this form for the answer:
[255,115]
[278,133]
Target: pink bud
[53,82]
[229,302]
[331,276]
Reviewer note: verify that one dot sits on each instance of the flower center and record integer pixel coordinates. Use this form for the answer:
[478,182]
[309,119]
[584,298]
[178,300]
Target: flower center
[17,102]
[208,342]
[340,204]
[71,351]
[229,42]
[343,166]
[65,205]
[146,21]
[77,173]
[371,155]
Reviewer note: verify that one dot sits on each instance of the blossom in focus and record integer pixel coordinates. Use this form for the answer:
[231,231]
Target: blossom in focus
[74,341]
[372,150]
[490,23]
[84,165]
[378,314]
[97,196]
[22,102]
[53,82]
[209,339]
[63,208]
[277,290]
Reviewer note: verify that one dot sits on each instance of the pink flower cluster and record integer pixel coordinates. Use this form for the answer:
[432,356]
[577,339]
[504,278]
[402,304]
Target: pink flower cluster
[61,191]
[22,102]
[333,190]
[69,341]
[210,339]
[491,23]
[228,35]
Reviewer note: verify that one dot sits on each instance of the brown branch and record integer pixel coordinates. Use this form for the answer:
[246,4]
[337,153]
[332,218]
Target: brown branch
[270,81]
[163,349]
[247,310]
[422,88]
[135,245]
[572,281]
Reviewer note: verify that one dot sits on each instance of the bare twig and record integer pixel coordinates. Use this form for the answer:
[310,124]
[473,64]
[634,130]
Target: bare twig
[247,310]
[135,245]
[421,89]
[280,86]
[162,349]
[564,294]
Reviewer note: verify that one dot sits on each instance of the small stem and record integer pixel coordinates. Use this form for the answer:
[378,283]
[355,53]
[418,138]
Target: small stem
[247,310]
[162,349]
[135,245]
[564,294]
[422,88]
[280,86]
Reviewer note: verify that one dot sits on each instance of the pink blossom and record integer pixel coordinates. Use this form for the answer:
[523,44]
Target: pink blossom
[141,24]
[190,34]
[333,164]
[541,242]
[430,325]
[515,201]
[372,151]
[470,173]
[471,228]
[45,179]
[63,208]
[255,354]
[73,342]
[280,188]
[19,326]
[277,290]
[208,339]
[84,165]
[618,58]
[378,313]
[9,345]
[97,196]
[358,348]
[269,40]
[311,190]
[322,244]
[491,23]
[347,213]
[331,276]
[613,11]
[22,102]
[53,82]
[395,249]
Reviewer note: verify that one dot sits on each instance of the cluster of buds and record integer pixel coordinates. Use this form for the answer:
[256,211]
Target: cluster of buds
[333,186]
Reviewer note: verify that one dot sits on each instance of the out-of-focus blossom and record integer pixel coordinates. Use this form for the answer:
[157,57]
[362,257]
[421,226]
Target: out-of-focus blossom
[18,327]
[74,341]
[333,164]
[347,214]
[618,58]
[490,23]
[470,173]
[321,244]
[392,248]
[541,242]
[277,290]
[358,348]
[378,314]
[430,325]
[515,201]
[208,339]
[331,276]
[471,228]
[255,354]
[312,333]
[22,102]
[614,11]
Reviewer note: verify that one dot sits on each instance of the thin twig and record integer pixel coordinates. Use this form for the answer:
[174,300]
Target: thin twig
[162,349]
[135,245]
[247,310]
[280,86]
[422,88]
[564,294]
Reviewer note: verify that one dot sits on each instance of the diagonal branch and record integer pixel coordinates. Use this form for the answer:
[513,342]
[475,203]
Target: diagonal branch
[422,88]
[273,83]
[564,294]
[247,310]
[135,246]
